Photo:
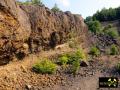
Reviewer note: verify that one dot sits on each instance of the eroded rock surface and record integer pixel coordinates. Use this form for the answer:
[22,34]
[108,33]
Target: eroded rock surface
[15,29]
[34,28]
[52,28]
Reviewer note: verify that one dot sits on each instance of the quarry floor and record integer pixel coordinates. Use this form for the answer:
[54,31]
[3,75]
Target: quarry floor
[18,75]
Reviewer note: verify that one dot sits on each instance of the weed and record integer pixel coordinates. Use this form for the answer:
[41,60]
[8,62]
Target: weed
[45,66]
[114,50]
[95,51]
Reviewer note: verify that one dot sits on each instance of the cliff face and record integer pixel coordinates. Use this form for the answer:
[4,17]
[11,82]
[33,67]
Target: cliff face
[32,28]
[15,29]
[50,28]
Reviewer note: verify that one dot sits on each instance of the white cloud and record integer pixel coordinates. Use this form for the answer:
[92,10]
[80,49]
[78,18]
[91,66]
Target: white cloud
[66,3]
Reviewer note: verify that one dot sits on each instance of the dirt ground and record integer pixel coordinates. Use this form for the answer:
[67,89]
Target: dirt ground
[18,75]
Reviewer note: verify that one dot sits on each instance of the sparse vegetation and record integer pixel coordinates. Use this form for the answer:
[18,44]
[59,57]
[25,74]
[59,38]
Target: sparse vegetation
[72,34]
[73,60]
[95,51]
[106,28]
[75,67]
[55,8]
[110,26]
[94,26]
[25,3]
[36,2]
[80,54]
[73,43]
[77,56]
[29,2]
[45,66]
[118,67]
[111,32]
[69,58]
[63,60]
[114,50]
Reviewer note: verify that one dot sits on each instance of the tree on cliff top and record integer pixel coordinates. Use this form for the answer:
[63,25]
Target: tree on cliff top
[37,2]
[28,2]
[55,8]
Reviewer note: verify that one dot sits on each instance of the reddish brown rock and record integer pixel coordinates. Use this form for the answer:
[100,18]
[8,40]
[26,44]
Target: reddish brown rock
[15,29]
[51,28]
[34,28]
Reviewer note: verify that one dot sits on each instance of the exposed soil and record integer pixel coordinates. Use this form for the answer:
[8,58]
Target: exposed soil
[19,75]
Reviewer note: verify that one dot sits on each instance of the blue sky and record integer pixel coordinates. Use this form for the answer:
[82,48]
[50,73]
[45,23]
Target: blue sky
[83,7]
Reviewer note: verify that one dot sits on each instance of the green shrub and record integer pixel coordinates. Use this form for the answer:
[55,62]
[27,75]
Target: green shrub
[36,2]
[45,66]
[55,8]
[72,34]
[75,67]
[106,28]
[73,60]
[78,55]
[94,26]
[109,26]
[118,67]
[89,18]
[63,60]
[73,43]
[114,50]
[95,51]
[72,57]
[113,32]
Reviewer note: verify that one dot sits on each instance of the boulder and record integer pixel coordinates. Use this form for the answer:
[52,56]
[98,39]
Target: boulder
[84,63]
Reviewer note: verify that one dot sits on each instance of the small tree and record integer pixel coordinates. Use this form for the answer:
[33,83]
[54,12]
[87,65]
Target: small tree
[55,8]
[89,18]
[36,2]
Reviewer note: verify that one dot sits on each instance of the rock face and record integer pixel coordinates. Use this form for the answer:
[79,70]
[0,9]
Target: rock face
[34,28]
[52,28]
[15,30]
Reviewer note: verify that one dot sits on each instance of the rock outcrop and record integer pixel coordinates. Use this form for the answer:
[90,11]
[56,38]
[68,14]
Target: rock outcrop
[15,30]
[51,28]
[32,28]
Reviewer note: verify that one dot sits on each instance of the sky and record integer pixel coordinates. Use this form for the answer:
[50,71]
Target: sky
[83,7]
